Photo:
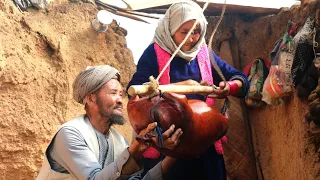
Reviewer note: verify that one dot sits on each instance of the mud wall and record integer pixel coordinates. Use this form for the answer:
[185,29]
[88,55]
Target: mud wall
[41,52]
[283,146]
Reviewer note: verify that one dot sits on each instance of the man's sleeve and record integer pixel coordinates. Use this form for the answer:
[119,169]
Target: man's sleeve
[155,173]
[70,151]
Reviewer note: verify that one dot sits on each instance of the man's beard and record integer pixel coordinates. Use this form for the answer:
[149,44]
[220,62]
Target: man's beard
[113,118]
[116,119]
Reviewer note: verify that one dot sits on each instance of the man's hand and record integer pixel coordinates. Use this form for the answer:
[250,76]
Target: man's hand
[171,137]
[135,150]
[145,138]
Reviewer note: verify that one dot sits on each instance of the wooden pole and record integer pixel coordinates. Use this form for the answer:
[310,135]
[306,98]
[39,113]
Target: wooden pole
[181,89]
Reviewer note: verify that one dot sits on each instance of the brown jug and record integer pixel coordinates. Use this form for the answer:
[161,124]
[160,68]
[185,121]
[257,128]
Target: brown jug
[201,124]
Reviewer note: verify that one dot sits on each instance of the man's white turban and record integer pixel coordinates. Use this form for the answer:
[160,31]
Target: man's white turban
[92,79]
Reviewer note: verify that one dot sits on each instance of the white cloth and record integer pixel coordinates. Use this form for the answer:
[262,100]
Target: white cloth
[92,79]
[175,16]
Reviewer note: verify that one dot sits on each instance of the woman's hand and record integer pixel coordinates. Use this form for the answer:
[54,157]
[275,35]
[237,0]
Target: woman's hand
[225,90]
[220,92]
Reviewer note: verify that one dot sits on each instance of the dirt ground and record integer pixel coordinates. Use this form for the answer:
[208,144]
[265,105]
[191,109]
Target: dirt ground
[42,51]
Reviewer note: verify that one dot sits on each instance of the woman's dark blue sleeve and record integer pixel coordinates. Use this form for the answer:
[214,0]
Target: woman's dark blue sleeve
[147,66]
[230,73]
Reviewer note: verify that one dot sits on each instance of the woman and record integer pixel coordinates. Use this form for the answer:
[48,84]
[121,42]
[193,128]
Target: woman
[188,68]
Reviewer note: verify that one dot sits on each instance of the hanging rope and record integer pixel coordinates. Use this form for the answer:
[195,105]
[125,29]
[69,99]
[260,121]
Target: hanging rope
[314,42]
[213,61]
[158,128]
[154,83]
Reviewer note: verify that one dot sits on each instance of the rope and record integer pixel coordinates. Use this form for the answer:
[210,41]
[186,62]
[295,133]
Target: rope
[213,62]
[158,128]
[315,44]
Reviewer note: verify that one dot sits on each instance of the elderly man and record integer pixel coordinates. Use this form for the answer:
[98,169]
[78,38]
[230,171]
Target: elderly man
[88,147]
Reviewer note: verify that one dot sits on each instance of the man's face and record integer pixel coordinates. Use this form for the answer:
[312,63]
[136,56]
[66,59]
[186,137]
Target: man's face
[182,32]
[109,102]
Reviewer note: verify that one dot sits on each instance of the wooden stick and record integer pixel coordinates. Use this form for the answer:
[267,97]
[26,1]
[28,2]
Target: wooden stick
[142,14]
[114,10]
[124,14]
[181,89]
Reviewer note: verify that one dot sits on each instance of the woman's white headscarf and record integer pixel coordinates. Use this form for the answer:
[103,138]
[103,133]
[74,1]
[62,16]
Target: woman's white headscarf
[175,16]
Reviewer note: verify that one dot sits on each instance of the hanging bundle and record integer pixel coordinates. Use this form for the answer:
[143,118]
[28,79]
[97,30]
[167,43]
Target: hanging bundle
[257,71]
[279,81]
[303,70]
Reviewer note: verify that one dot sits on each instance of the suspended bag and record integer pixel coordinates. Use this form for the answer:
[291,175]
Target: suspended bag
[279,80]
[304,72]
[257,71]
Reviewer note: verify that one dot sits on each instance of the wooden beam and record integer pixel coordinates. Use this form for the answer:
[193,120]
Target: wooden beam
[214,9]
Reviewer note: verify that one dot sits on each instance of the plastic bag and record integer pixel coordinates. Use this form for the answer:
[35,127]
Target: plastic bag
[285,65]
[279,80]
[273,86]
